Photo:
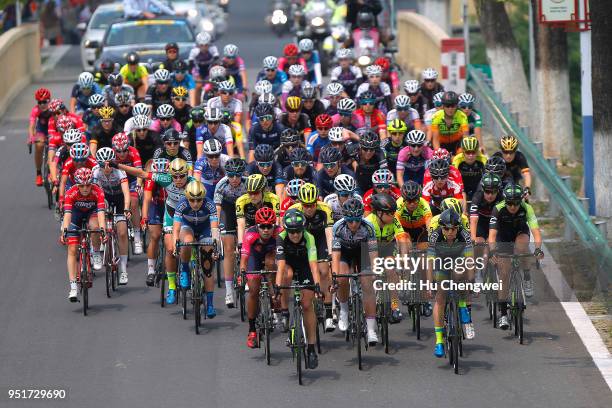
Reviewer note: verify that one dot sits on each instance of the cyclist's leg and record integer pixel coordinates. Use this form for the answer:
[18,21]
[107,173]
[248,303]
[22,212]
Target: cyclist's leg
[169,261]
[439,305]
[253,264]
[135,209]
[39,147]
[186,236]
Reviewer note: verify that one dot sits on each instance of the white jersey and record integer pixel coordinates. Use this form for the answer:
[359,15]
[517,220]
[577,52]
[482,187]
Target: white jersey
[335,73]
[333,203]
[111,183]
[429,115]
[412,115]
[234,106]
[384,88]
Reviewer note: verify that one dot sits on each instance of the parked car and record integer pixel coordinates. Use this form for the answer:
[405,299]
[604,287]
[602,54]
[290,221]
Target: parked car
[94,31]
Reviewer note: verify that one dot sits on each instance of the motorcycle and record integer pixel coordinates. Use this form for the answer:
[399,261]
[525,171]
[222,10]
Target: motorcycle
[315,24]
[278,20]
[366,46]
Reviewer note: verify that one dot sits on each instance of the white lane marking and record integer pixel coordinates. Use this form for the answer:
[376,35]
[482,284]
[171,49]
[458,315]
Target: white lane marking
[55,56]
[2,138]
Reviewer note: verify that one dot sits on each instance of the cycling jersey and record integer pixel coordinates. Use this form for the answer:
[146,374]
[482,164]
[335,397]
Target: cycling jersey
[110,183]
[461,247]
[202,61]
[287,202]
[317,108]
[435,223]
[147,144]
[156,205]
[40,118]
[381,90]
[349,78]
[309,176]
[325,183]
[246,209]
[516,168]
[297,255]
[70,167]
[367,197]
[135,79]
[82,208]
[182,115]
[388,232]
[277,82]
[162,153]
[428,94]
[109,93]
[283,63]
[255,249]
[155,98]
[281,156]
[470,173]
[375,120]
[434,195]
[226,196]
[198,221]
[330,109]
[414,222]
[103,137]
[55,137]
[352,125]
[316,225]
[235,69]
[428,116]
[412,120]
[187,82]
[365,169]
[315,143]
[301,125]
[482,209]
[174,193]
[453,174]
[82,100]
[257,135]
[450,134]
[333,202]
[420,104]
[345,239]
[313,68]
[392,152]
[131,159]
[509,225]
[208,175]
[288,89]
[223,135]
[234,106]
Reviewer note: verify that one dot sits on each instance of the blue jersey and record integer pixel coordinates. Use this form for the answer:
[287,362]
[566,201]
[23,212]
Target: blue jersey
[82,100]
[187,82]
[277,83]
[209,176]
[198,220]
[315,144]
[310,63]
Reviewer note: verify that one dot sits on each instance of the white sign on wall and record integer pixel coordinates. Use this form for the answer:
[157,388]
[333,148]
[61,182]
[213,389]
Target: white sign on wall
[557,10]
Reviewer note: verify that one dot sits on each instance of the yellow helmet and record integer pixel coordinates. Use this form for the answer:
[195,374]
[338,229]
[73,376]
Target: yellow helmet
[293,103]
[453,203]
[255,182]
[195,190]
[106,112]
[469,144]
[397,125]
[178,166]
[508,142]
[179,91]
[308,193]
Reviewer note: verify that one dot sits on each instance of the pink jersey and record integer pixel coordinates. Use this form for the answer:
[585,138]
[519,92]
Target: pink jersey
[406,152]
[156,126]
[375,120]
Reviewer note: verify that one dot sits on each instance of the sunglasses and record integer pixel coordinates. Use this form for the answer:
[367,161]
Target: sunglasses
[270,69]
[296,76]
[171,143]
[413,201]
[165,119]
[323,129]
[508,151]
[415,146]
[213,156]
[307,101]
[397,133]
[299,163]
[213,122]
[464,106]
[337,144]
[107,121]
[439,178]
[470,152]
[430,80]
[227,92]
[124,106]
[253,193]
[352,219]
[265,226]
[141,130]
[402,109]
[413,94]
[43,102]
[171,51]
[179,176]
[294,232]
[233,174]
[291,145]
[449,228]
[382,186]
[293,110]
[345,114]
[265,118]
[513,203]
[343,193]
[180,98]
[122,151]
[367,102]
[311,205]
[374,76]
[195,200]
[490,192]
[85,185]
[264,164]
[180,72]
[449,105]
[367,149]
[329,165]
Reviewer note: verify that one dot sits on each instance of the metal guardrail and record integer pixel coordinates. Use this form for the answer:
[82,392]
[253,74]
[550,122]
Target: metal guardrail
[502,121]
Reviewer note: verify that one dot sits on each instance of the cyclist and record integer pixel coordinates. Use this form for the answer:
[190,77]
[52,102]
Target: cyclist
[292,190]
[466,104]
[300,167]
[81,91]
[382,183]
[38,129]
[138,109]
[449,241]
[345,118]
[144,140]
[296,257]
[430,86]
[196,120]
[106,68]
[417,100]
[114,183]
[164,119]
[293,86]
[414,213]
[449,125]
[265,165]
[80,156]
[290,57]
[195,219]
[404,112]
[340,139]
[331,162]
[453,173]
[319,139]
[512,221]
[313,62]
[160,92]
[255,198]
[293,118]
[209,168]
[70,137]
[335,92]
[391,238]
[392,145]
[319,223]
[201,58]
[257,253]
[214,129]
[266,131]
[58,112]
[345,188]
[370,157]
[226,100]
[135,75]
[114,87]
[290,140]
[182,77]
[123,108]
[311,106]
[351,235]
[470,163]
[497,165]
[84,204]
[389,74]
[180,105]
[91,117]
[235,67]
[346,73]
[270,72]
[102,134]
[153,215]
[369,116]
[440,187]
[375,85]
[428,116]
[172,148]
[172,54]
[517,169]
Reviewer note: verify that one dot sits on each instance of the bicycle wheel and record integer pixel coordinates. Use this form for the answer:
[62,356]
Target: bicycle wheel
[521,309]
[298,342]
[197,300]
[448,333]
[115,269]
[386,315]
[108,271]
[265,325]
[84,284]
[218,268]
[184,302]
[357,316]
[456,338]
[162,291]
[417,318]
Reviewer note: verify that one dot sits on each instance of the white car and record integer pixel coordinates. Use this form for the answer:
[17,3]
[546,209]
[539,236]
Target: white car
[104,15]
[202,16]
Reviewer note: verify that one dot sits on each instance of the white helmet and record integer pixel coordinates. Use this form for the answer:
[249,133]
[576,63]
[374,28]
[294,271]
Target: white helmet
[141,109]
[72,136]
[217,71]
[411,86]
[416,137]
[296,70]
[344,182]
[344,53]
[213,115]
[96,100]
[162,75]
[105,154]
[373,70]
[383,176]
[270,62]
[334,89]
[263,86]
[402,102]
[347,105]
[165,111]
[430,73]
[437,99]
[226,86]
[306,45]
[230,50]
[203,38]
[268,98]
[141,122]
[335,134]
[86,80]
[212,146]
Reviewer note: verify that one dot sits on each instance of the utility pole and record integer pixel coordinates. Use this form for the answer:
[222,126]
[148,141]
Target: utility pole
[587,111]
[466,33]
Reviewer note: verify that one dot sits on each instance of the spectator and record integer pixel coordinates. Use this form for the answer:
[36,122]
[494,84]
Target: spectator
[145,8]
[50,23]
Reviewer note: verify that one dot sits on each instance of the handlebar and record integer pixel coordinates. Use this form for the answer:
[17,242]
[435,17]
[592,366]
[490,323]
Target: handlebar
[353,275]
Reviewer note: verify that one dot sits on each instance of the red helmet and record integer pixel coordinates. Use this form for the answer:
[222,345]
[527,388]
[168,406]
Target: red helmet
[323,121]
[42,94]
[64,123]
[290,50]
[120,142]
[83,175]
[56,105]
[383,63]
[265,215]
[440,153]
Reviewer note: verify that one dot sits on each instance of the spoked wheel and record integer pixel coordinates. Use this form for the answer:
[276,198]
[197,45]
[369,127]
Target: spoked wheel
[162,291]
[197,313]
[358,329]
[494,313]
[417,321]
[298,352]
[267,344]
[85,292]
[218,268]
[519,325]
[455,340]
[114,276]
[184,302]
[109,280]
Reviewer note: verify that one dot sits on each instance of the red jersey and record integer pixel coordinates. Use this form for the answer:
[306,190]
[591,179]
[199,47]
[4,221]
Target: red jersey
[159,194]
[70,167]
[453,174]
[376,120]
[367,197]
[76,201]
[55,137]
[435,196]
[287,202]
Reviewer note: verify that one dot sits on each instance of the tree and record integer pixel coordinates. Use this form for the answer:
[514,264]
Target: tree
[504,57]
[601,38]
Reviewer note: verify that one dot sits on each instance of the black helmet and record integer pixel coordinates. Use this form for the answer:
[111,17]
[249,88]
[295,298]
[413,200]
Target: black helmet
[115,80]
[496,164]
[132,58]
[368,139]
[383,202]
[352,207]
[365,20]
[411,190]
[180,65]
[299,154]
[171,135]
[264,153]
[107,66]
[439,168]
[513,192]
[235,165]
[263,109]
[329,154]
[289,135]
[294,220]
[172,46]
[491,181]
[449,218]
[226,116]
[450,98]
[197,114]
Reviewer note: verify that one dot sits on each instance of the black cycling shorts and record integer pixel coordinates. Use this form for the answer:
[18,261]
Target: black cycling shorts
[507,237]
[228,222]
[321,243]
[482,229]
[301,271]
[418,234]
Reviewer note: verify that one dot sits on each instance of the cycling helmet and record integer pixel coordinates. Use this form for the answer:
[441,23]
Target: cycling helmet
[411,190]
[439,168]
[367,96]
[180,67]
[508,142]
[178,166]
[491,181]
[141,109]
[296,70]
[308,193]
[120,142]
[382,176]
[294,220]
[213,115]
[63,123]
[165,111]
[226,86]
[290,135]
[416,137]
[369,139]
[268,98]
[197,114]
[79,152]
[86,80]
[56,105]
[195,190]
[270,62]
[513,192]
[383,63]
[397,125]
[290,50]
[411,86]
[42,94]
[235,165]
[449,218]
[106,112]
[293,103]
[329,154]
[344,53]
[308,91]
[265,215]
[365,19]
[123,98]
[437,99]
[469,144]
[264,109]
[84,175]
[383,202]
[160,165]
[402,102]
[172,46]
[373,70]
[132,58]
[72,136]
[346,105]
[141,122]
[450,98]
[352,207]
[466,100]
[262,87]
[218,72]
[171,135]
[179,92]
[496,164]
[323,121]
[293,187]
[344,182]
[451,202]
[107,66]
[96,101]
[430,74]
[255,182]
[212,147]
[334,89]
[440,153]
[306,45]
[115,80]
[162,76]
[299,154]
[105,154]
[203,38]
[227,116]
[335,134]
[230,51]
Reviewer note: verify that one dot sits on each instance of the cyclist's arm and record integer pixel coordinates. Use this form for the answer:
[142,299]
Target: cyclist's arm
[62,186]
[73,102]
[133,171]
[146,200]
[527,178]
[328,238]
[241,225]
[125,189]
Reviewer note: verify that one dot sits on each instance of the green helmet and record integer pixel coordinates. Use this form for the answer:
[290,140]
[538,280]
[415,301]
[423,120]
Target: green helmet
[513,192]
[294,220]
[491,181]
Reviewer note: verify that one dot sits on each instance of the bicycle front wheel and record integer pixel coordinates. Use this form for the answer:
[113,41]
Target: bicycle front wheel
[298,342]
[357,316]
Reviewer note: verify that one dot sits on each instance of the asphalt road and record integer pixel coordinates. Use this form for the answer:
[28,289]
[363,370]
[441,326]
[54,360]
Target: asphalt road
[131,353]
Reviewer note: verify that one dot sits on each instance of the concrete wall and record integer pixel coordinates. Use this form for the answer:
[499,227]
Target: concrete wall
[19,61]
[418,40]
